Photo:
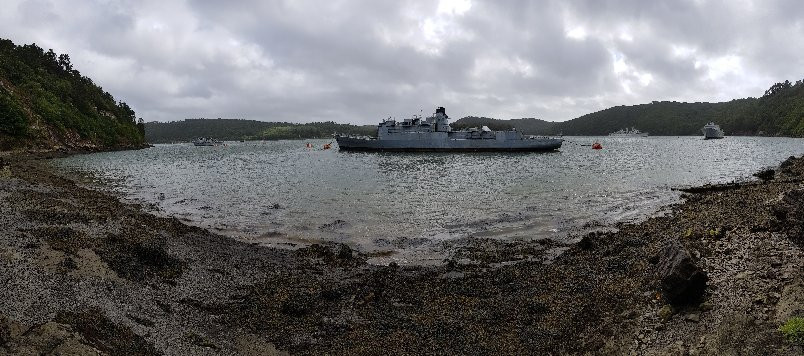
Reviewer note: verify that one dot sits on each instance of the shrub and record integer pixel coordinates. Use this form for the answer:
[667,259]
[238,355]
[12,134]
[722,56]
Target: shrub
[793,330]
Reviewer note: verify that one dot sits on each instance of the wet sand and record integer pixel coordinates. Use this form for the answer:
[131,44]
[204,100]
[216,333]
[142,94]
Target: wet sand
[83,272]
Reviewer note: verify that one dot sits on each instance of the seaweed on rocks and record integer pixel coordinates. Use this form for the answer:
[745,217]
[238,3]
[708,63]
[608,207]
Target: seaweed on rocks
[139,261]
[766,174]
[105,335]
[789,214]
[61,238]
[332,254]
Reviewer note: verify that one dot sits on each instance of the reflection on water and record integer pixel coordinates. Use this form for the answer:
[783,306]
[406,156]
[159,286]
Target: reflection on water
[282,192]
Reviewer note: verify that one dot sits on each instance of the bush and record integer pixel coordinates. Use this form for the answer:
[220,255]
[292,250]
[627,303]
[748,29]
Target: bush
[12,119]
[793,330]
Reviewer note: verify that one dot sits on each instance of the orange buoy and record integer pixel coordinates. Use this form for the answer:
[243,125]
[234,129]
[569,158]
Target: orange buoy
[597,146]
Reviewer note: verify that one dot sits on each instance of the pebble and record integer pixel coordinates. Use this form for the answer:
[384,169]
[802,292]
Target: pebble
[776,263]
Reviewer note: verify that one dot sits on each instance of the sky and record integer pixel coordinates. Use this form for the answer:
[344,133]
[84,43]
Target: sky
[362,61]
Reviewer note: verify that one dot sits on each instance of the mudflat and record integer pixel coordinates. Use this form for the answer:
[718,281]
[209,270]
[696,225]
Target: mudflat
[82,272]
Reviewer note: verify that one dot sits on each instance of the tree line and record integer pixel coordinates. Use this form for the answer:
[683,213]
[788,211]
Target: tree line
[778,112]
[237,129]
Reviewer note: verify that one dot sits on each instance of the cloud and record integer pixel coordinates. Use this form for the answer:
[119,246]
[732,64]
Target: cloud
[358,61]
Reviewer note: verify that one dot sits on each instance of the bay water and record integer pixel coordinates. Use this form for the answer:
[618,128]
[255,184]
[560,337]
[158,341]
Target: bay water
[283,194]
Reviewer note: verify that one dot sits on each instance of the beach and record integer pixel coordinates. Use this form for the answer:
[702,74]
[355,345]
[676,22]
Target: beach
[84,272]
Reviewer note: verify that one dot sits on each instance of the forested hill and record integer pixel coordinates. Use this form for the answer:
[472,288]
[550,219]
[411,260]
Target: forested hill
[46,103]
[779,112]
[525,125]
[233,130]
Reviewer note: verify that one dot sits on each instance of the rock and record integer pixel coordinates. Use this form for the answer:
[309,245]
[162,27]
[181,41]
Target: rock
[5,330]
[587,242]
[451,264]
[706,306]
[344,252]
[680,280]
[776,263]
[693,318]
[789,214]
[337,224]
[765,175]
[791,301]
[629,314]
[789,162]
[666,312]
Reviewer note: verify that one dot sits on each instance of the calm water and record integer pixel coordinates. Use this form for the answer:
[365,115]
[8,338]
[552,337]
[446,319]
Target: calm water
[281,193]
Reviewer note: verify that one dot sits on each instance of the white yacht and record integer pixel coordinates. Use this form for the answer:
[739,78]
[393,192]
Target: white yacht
[632,132]
[712,131]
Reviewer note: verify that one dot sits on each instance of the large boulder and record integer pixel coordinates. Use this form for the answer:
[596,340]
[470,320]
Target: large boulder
[789,214]
[681,281]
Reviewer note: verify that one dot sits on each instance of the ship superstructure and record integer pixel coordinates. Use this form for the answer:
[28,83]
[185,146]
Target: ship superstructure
[632,132]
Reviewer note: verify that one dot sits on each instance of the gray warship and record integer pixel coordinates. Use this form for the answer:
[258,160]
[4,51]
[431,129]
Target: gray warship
[435,134]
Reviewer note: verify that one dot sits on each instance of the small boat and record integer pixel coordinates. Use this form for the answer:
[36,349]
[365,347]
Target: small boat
[712,131]
[207,141]
[632,132]
[597,146]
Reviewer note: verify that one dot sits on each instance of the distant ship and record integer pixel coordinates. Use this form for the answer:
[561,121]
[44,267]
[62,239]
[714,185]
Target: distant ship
[712,131]
[632,132]
[435,134]
[206,141]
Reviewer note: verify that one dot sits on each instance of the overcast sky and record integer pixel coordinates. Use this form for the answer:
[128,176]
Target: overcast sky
[360,61]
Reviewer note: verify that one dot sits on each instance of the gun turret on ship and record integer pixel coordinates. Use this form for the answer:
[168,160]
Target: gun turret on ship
[435,134]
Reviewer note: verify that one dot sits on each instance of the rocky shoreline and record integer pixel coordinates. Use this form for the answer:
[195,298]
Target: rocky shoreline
[84,273]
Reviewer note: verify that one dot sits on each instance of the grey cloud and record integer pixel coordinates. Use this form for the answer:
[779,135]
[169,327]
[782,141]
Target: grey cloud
[358,61]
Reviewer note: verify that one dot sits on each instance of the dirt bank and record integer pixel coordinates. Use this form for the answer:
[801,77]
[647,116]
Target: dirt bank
[83,272]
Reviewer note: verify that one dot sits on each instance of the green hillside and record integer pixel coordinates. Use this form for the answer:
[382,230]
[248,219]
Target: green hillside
[234,130]
[46,103]
[526,125]
[779,112]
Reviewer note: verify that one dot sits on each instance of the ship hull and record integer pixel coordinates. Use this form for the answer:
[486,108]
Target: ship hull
[629,135]
[711,133]
[449,145]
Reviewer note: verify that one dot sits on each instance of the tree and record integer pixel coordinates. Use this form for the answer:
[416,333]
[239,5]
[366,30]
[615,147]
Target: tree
[64,62]
[778,88]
